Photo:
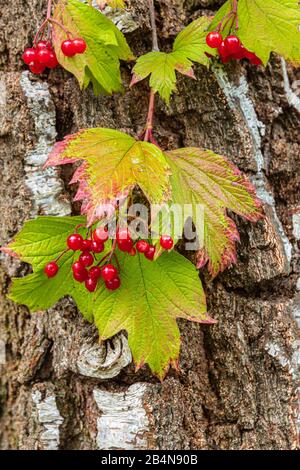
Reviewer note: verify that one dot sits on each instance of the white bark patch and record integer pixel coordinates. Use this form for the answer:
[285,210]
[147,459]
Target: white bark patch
[45,185]
[291,96]
[123,423]
[50,419]
[122,18]
[237,97]
[105,360]
[296,225]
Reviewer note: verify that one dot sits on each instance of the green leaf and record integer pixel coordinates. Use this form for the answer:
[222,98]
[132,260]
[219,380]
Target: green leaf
[201,177]
[267,26]
[42,240]
[151,297]
[189,47]
[113,163]
[106,45]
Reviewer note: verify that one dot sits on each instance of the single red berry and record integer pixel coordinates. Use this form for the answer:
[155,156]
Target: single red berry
[86,245]
[36,67]
[254,60]
[226,59]
[166,242]
[42,45]
[113,284]
[51,269]
[222,49]
[91,284]
[125,245]
[100,234]
[232,44]
[68,48]
[214,39]
[108,272]
[150,252]
[132,252]
[74,241]
[52,62]
[123,234]
[78,267]
[86,258]
[97,247]
[79,45]
[95,273]
[80,276]
[43,56]
[241,54]
[29,55]
[142,246]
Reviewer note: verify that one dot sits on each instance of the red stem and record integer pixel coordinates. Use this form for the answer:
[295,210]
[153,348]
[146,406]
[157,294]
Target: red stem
[62,253]
[49,9]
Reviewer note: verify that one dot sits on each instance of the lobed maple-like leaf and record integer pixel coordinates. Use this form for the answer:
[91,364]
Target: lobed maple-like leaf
[106,45]
[189,46]
[201,177]
[265,27]
[112,3]
[152,294]
[113,163]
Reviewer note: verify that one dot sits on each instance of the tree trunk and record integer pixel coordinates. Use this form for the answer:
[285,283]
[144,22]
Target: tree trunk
[237,388]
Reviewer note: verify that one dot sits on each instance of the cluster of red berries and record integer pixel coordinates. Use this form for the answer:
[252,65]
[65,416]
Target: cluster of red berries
[230,48]
[40,57]
[43,54]
[125,243]
[71,47]
[85,270]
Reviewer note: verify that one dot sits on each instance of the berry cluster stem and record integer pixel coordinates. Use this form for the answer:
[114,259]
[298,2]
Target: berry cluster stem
[147,135]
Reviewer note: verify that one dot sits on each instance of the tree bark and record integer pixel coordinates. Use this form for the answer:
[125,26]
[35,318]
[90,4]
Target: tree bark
[237,387]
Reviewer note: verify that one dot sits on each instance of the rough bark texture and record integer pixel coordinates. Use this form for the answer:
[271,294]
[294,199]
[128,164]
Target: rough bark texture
[237,388]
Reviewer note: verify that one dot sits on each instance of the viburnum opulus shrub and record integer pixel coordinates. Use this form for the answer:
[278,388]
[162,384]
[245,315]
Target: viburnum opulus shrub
[130,276]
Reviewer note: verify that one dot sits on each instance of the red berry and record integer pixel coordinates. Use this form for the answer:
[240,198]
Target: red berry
[52,62]
[95,273]
[51,269]
[214,39]
[150,252]
[29,55]
[232,44]
[109,272]
[68,48]
[36,67]
[222,49]
[91,284]
[79,45]
[43,56]
[86,245]
[132,252]
[113,284]
[78,267]
[100,234]
[166,242]
[81,276]
[123,234]
[125,245]
[254,59]
[74,241]
[241,54]
[86,258]
[42,45]
[142,246]
[97,247]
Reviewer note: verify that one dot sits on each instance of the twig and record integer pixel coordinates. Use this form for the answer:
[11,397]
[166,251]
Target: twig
[153,26]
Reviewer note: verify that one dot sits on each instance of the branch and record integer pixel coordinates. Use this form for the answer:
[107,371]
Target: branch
[153,26]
